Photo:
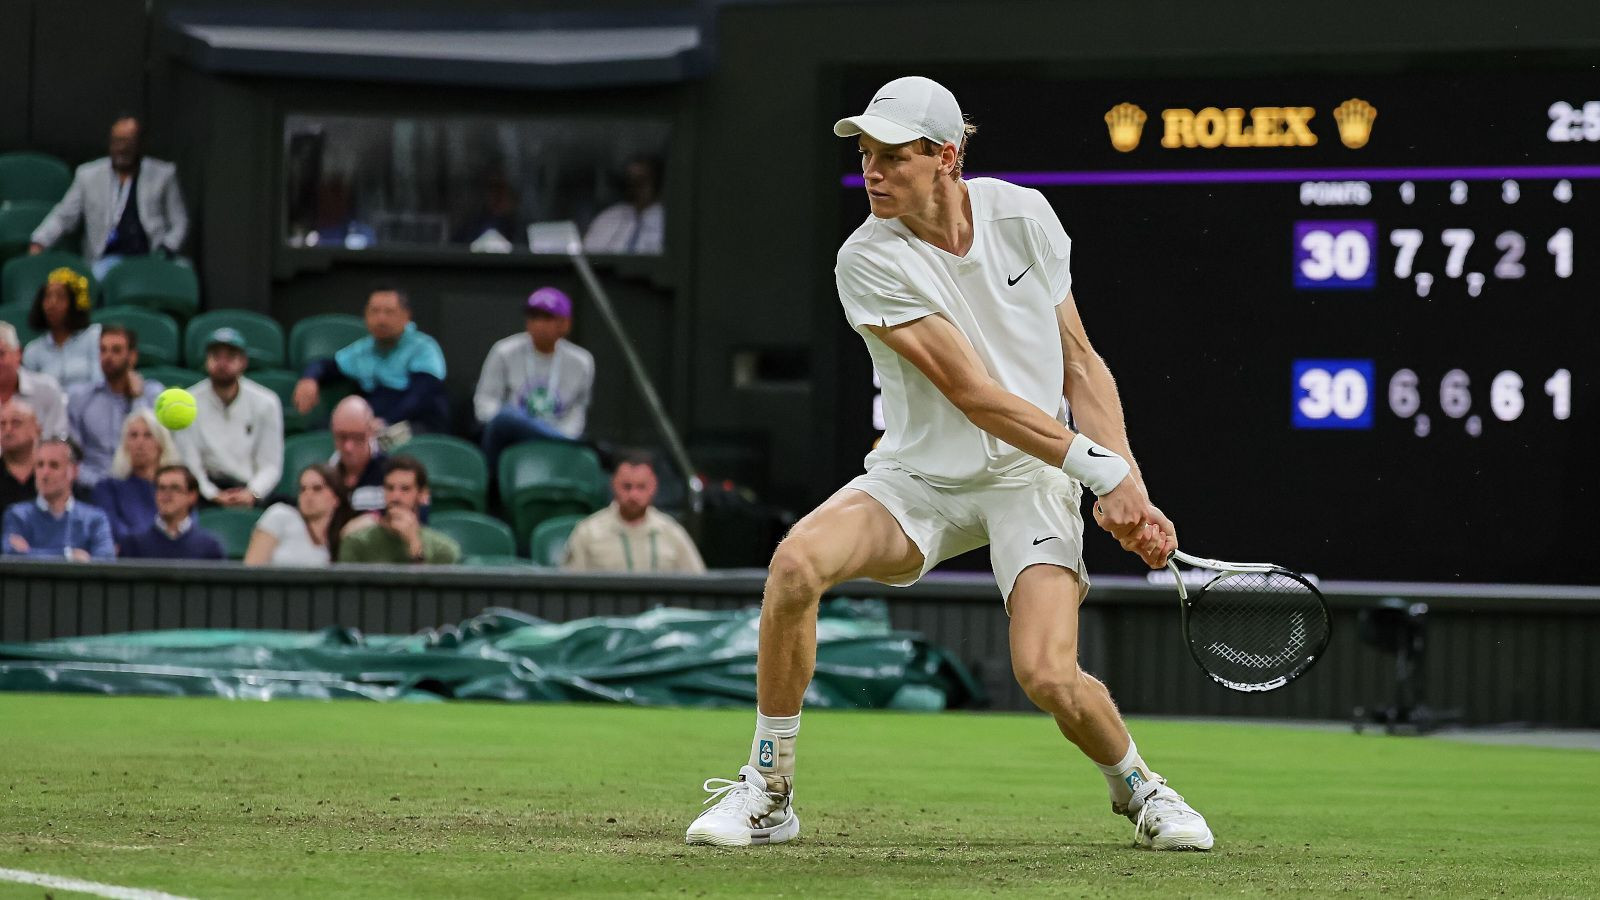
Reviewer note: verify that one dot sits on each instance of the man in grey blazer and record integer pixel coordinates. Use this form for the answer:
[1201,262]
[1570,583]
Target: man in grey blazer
[127,204]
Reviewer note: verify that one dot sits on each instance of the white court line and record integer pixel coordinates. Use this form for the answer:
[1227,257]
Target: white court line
[83,887]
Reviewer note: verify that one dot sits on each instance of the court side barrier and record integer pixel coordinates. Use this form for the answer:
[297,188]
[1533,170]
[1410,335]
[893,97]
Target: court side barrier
[672,656]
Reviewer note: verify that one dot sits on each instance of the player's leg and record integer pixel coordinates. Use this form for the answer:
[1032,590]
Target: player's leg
[1044,606]
[852,535]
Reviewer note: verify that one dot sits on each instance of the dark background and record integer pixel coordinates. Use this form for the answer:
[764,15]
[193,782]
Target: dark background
[755,213]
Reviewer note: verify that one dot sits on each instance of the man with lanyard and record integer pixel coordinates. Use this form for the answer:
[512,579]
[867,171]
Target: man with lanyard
[630,535]
[128,205]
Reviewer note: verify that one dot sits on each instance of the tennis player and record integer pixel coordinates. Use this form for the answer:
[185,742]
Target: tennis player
[963,294]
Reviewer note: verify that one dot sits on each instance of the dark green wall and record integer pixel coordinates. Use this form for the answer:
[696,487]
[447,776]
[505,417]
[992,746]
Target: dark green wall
[752,191]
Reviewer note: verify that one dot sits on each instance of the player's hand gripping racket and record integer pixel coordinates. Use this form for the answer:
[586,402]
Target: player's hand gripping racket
[1255,627]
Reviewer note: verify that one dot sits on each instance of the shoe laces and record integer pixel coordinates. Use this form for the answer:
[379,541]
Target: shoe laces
[737,797]
[1158,800]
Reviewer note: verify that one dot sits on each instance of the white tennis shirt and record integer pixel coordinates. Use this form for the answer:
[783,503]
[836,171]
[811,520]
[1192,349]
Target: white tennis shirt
[1002,295]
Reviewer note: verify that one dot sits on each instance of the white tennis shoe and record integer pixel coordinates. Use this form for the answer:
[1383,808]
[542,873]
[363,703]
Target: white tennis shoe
[745,813]
[1163,821]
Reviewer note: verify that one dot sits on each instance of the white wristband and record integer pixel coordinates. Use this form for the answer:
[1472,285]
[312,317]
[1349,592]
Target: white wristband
[1099,469]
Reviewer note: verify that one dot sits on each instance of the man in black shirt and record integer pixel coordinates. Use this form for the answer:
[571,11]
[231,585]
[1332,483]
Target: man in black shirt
[19,434]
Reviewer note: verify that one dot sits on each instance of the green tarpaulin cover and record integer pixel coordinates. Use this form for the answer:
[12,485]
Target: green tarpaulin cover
[665,656]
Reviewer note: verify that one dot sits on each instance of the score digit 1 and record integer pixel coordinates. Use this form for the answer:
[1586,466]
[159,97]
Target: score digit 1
[1334,255]
[1332,393]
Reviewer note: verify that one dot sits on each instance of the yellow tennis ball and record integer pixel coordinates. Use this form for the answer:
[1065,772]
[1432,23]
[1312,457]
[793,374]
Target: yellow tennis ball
[175,408]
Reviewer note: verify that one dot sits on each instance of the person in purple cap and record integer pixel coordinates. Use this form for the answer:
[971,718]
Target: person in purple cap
[536,384]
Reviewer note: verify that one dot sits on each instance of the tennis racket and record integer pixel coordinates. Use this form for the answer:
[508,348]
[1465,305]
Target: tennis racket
[1255,627]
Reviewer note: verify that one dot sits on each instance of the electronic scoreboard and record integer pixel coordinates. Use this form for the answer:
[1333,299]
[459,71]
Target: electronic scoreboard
[1355,321]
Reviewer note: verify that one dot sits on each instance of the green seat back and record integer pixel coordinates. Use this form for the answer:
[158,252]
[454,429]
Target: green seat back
[478,534]
[263,337]
[458,476]
[548,543]
[17,222]
[299,451]
[320,337]
[171,376]
[21,277]
[154,282]
[158,333]
[231,526]
[33,177]
[17,315]
[543,479]
[282,382]
[495,559]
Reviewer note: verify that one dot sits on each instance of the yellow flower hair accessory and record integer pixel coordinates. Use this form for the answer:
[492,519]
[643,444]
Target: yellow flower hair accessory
[72,281]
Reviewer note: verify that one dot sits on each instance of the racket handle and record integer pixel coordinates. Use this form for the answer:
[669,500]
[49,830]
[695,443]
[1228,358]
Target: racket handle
[1183,592]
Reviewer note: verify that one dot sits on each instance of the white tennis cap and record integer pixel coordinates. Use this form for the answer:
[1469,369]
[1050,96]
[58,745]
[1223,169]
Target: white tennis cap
[906,109]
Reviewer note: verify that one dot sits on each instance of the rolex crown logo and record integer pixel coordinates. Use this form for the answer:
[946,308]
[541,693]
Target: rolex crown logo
[1126,123]
[1355,122]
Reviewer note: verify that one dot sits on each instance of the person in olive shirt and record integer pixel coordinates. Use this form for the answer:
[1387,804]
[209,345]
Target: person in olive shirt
[398,536]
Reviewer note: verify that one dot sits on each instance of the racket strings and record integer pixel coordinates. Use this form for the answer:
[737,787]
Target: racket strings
[1253,628]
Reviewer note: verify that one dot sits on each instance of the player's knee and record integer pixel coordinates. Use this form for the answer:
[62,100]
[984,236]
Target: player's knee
[1061,690]
[793,576]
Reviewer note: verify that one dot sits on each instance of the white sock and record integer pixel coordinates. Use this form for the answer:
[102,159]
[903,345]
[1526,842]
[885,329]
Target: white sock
[772,750]
[1125,777]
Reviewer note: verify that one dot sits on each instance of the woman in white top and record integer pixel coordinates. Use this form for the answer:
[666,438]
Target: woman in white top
[68,349]
[307,535]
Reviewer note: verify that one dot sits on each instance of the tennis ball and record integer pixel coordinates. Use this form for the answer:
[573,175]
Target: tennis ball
[175,408]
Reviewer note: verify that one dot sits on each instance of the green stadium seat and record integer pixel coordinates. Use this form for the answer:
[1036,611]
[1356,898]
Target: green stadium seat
[478,534]
[231,526]
[158,333]
[540,480]
[548,543]
[263,337]
[21,277]
[477,560]
[17,315]
[17,222]
[33,177]
[171,376]
[299,451]
[319,337]
[154,282]
[458,476]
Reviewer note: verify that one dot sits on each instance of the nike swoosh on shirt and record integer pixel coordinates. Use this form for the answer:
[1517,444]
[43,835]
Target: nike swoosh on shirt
[1012,282]
[1038,541]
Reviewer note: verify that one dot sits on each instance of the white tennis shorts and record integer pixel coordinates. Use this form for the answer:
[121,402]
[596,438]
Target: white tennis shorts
[1031,515]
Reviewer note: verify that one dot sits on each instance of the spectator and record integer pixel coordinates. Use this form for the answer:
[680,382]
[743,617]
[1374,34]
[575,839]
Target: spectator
[238,456]
[54,524]
[630,535]
[42,393]
[636,224]
[398,369]
[398,536]
[128,496]
[306,534]
[68,347]
[19,435]
[536,384]
[95,412]
[174,534]
[128,205]
[356,455]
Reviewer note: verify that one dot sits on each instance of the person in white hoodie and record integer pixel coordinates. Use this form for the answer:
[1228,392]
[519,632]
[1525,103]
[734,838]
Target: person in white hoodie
[535,385]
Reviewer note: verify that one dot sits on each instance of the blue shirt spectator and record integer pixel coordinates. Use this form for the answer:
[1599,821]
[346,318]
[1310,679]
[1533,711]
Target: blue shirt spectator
[398,369]
[96,412]
[174,534]
[128,496]
[55,525]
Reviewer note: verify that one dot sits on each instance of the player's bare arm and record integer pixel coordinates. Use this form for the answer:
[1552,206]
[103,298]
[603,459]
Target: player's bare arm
[939,350]
[1126,512]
